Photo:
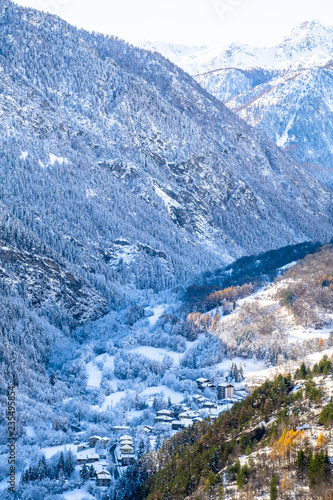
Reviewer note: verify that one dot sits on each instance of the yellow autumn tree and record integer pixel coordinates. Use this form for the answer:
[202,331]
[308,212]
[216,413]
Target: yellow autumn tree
[322,442]
[215,320]
[286,447]
[205,320]
[194,318]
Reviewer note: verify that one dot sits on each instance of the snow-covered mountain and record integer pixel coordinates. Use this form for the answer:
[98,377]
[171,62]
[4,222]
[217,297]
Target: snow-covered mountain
[171,51]
[285,91]
[128,163]
[119,176]
[309,44]
[119,173]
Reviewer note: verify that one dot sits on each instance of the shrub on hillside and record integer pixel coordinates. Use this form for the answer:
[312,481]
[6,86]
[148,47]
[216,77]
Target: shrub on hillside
[326,415]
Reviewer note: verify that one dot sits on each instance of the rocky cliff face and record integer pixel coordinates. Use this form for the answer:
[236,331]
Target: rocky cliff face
[42,281]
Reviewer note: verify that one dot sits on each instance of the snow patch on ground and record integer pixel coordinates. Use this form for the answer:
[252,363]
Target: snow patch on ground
[283,140]
[249,365]
[157,354]
[317,356]
[157,313]
[24,155]
[176,397]
[300,335]
[168,201]
[50,451]
[30,431]
[107,360]
[95,372]
[259,376]
[110,401]
[263,296]
[94,375]
[288,266]
[57,159]
[78,494]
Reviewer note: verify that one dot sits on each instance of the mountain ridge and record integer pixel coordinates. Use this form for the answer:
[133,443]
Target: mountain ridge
[285,91]
[297,48]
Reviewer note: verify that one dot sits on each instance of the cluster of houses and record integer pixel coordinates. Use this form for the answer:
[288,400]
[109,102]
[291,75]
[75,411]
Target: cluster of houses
[224,391]
[164,417]
[188,416]
[177,416]
[203,383]
[168,417]
[181,415]
[86,454]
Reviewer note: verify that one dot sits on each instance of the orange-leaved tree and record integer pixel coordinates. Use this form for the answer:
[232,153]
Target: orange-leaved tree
[286,447]
[322,442]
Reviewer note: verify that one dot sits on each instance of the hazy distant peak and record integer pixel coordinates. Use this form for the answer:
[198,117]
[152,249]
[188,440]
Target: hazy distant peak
[309,27]
[310,36]
[170,50]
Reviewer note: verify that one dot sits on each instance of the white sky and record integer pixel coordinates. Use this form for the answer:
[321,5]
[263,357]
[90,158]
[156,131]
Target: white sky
[199,22]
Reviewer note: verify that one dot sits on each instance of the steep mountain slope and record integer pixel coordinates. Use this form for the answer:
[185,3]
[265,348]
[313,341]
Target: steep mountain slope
[114,144]
[285,91]
[42,279]
[121,171]
[120,175]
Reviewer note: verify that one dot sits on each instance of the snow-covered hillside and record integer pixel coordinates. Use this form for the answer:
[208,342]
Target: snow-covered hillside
[121,171]
[146,360]
[111,133]
[122,183]
[285,91]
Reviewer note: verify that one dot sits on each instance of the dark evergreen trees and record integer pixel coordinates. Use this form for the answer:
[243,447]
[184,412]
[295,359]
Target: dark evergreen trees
[69,464]
[61,467]
[273,488]
[84,472]
[53,378]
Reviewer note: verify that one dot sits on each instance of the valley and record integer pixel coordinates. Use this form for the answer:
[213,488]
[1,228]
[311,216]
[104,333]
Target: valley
[148,379]
[166,288]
